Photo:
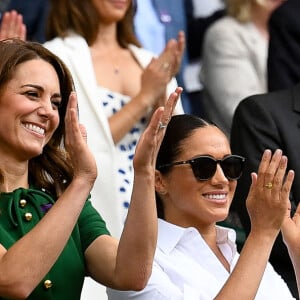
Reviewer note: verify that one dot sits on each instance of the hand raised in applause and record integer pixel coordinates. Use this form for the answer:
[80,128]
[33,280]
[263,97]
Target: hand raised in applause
[268,198]
[149,142]
[76,145]
[12,26]
[161,70]
[291,235]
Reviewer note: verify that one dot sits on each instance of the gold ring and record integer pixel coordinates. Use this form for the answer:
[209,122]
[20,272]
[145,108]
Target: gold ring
[166,65]
[269,185]
[162,126]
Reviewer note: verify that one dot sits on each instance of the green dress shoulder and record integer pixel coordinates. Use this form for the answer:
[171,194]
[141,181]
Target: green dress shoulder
[21,210]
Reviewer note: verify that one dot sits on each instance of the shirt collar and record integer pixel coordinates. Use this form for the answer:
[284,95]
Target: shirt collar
[170,235]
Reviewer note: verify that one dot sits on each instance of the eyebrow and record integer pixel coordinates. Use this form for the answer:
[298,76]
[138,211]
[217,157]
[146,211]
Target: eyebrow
[41,89]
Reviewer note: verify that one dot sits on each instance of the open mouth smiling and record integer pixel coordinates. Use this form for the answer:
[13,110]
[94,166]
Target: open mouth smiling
[34,128]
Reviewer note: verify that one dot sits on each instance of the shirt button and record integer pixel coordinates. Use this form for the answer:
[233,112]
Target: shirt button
[23,203]
[47,284]
[28,216]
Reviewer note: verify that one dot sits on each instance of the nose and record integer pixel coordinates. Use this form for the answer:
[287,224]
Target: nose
[46,110]
[219,176]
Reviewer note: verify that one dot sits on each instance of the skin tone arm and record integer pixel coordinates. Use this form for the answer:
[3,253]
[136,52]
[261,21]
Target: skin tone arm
[129,265]
[291,235]
[153,88]
[267,209]
[25,264]
[12,26]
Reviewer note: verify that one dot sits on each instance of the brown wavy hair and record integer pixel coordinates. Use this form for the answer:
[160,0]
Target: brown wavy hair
[51,170]
[82,17]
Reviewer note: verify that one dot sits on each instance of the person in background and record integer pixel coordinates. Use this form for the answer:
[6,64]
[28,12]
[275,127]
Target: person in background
[270,121]
[119,85]
[234,63]
[155,23]
[200,14]
[284,47]
[34,14]
[196,177]
[51,236]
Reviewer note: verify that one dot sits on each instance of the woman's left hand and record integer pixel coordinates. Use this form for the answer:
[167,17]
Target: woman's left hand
[267,201]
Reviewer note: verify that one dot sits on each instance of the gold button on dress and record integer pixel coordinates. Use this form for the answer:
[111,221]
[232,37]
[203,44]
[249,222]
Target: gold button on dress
[47,284]
[28,216]
[23,203]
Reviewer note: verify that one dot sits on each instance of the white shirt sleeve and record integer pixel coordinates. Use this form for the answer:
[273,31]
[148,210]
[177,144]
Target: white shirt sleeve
[159,287]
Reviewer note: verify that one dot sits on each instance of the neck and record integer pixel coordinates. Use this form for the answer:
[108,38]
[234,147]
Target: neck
[209,234]
[13,177]
[106,38]
[260,18]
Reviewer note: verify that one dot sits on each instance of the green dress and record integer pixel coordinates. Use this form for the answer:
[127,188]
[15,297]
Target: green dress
[21,210]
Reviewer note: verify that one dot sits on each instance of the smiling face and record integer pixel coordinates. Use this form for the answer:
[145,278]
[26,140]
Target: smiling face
[188,201]
[29,110]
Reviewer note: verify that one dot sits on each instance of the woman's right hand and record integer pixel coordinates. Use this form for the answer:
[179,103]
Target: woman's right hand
[161,70]
[12,26]
[150,141]
[83,161]
[268,198]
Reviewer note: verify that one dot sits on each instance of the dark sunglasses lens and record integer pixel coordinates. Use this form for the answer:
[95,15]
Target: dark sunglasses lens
[232,167]
[204,168]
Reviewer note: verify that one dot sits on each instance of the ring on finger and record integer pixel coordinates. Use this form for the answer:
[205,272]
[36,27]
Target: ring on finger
[165,65]
[269,185]
[162,125]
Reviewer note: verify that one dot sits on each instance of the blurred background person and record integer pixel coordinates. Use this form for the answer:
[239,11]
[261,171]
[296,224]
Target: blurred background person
[235,58]
[156,21]
[284,46]
[200,14]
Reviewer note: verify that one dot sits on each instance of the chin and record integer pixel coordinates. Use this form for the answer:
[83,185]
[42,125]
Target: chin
[220,217]
[34,153]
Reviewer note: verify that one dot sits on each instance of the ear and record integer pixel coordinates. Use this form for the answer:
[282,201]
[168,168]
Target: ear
[160,187]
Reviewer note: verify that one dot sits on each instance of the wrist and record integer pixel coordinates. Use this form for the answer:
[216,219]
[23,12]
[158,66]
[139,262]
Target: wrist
[264,236]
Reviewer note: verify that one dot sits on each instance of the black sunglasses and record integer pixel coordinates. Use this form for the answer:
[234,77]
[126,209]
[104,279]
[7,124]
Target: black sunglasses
[204,167]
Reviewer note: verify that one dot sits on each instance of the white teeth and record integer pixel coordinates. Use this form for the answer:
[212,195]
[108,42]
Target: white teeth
[218,197]
[35,128]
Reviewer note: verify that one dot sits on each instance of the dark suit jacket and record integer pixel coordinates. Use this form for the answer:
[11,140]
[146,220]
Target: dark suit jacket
[270,121]
[284,47]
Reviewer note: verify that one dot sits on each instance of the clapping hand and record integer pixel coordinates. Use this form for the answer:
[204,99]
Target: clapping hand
[83,161]
[291,234]
[149,143]
[268,199]
[161,70]
[12,26]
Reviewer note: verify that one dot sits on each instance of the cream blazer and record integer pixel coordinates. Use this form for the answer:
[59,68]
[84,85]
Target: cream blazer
[233,67]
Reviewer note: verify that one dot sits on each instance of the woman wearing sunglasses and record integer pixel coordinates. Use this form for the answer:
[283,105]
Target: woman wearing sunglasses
[196,177]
